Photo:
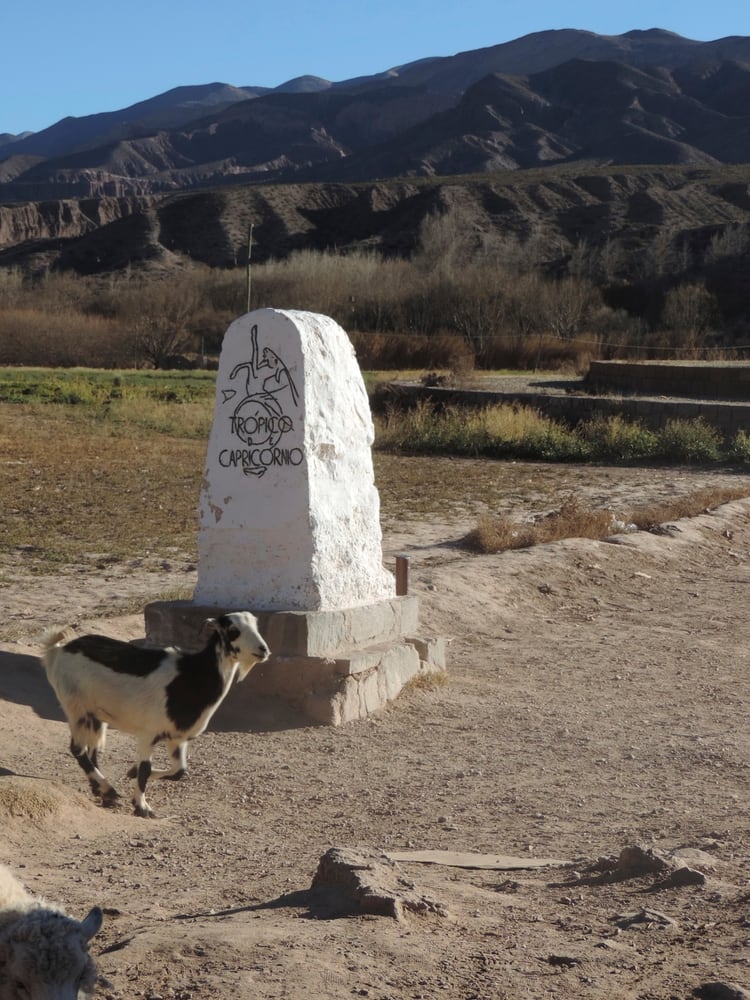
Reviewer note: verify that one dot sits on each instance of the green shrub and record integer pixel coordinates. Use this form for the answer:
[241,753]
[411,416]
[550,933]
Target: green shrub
[739,450]
[554,443]
[519,432]
[496,432]
[616,439]
[689,441]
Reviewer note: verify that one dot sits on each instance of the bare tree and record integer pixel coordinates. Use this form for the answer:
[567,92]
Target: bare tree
[688,312]
[160,322]
[523,315]
[567,304]
[478,319]
[602,262]
[156,339]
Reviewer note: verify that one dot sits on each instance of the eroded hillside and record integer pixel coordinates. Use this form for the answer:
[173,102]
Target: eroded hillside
[623,209]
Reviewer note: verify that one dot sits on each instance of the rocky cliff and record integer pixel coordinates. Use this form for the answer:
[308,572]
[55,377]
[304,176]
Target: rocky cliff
[621,212]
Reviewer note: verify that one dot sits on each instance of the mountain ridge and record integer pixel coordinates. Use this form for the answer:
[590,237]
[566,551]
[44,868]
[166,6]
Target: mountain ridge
[310,129]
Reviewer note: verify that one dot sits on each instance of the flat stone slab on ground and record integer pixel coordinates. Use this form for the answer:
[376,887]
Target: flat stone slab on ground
[467,859]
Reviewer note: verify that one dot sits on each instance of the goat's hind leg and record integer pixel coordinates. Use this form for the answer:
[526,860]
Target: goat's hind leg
[87,736]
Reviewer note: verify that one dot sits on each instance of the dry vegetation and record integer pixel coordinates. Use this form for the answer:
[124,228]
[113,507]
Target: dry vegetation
[70,486]
[118,478]
[457,302]
[575,519]
[514,431]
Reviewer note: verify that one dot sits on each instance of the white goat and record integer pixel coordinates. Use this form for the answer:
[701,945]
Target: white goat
[43,952]
[158,695]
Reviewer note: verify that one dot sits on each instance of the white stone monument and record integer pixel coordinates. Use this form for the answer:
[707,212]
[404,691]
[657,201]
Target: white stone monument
[289,512]
[290,526]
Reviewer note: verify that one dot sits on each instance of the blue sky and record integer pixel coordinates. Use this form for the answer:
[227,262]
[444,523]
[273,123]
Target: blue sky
[76,58]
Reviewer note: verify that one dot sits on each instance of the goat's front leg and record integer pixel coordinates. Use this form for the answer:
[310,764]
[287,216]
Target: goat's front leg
[142,774]
[87,736]
[177,750]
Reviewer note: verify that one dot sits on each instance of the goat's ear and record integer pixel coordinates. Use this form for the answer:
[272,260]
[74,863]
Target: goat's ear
[211,624]
[92,922]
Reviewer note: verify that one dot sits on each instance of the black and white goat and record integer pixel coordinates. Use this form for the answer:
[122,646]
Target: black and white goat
[158,695]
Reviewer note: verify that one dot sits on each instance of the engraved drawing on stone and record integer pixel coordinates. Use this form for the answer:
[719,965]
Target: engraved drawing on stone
[264,415]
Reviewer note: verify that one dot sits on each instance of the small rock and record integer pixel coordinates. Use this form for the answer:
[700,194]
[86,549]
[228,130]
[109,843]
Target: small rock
[644,916]
[721,991]
[680,877]
[564,961]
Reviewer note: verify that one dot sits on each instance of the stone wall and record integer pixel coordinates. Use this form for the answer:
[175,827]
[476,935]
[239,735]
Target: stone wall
[727,416]
[694,379]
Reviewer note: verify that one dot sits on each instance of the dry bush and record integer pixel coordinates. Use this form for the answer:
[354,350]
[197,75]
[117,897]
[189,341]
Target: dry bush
[497,298]
[478,309]
[11,287]
[574,520]
[382,351]
[59,290]
[426,682]
[541,351]
[348,287]
[647,518]
[688,311]
[177,313]
[445,243]
[498,533]
[225,291]
[61,338]
[568,304]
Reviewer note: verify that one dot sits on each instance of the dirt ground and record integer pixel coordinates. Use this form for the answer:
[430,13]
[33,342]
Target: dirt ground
[596,699]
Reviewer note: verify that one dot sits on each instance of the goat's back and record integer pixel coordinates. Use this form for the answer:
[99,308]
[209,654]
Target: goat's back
[130,697]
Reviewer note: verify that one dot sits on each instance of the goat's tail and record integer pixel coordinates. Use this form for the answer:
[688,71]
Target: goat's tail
[51,641]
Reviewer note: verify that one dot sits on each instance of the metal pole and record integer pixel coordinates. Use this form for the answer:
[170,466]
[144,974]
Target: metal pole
[249,254]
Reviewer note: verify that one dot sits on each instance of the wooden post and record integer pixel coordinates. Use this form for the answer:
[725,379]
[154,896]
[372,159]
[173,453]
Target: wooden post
[402,576]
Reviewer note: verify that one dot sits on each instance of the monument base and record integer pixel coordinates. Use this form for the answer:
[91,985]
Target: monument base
[331,666]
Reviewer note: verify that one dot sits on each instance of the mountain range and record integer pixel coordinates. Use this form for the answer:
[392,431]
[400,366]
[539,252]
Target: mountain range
[549,98]
[638,138]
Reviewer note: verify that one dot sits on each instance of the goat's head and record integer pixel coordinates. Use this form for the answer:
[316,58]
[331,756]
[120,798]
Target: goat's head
[44,956]
[240,640]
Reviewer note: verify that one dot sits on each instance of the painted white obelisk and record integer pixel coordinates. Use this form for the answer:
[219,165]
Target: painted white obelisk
[289,511]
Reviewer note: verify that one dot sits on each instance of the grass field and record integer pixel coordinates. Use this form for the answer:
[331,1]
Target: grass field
[112,468]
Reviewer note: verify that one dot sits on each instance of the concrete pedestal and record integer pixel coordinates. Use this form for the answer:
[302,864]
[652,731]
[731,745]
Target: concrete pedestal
[331,666]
